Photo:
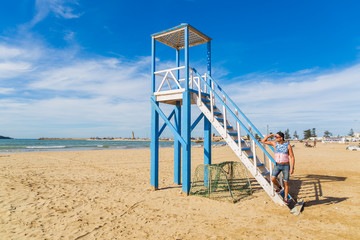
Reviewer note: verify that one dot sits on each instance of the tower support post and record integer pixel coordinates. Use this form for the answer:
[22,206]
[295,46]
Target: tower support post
[207,124]
[154,145]
[177,145]
[186,123]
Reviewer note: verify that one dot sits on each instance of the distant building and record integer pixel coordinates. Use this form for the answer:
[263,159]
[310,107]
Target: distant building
[316,138]
[334,140]
[351,139]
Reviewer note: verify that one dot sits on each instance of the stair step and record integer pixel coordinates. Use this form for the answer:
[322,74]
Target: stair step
[205,100]
[220,119]
[250,156]
[217,113]
[260,165]
[233,134]
[209,106]
[230,127]
[245,149]
[265,173]
[197,92]
[237,141]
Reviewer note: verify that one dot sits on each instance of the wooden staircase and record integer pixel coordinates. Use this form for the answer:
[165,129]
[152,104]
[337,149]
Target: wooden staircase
[244,150]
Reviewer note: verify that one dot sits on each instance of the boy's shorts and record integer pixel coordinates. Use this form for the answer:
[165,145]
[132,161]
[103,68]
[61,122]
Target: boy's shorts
[285,169]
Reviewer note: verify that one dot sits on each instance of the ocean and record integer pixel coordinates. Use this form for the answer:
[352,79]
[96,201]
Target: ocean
[35,145]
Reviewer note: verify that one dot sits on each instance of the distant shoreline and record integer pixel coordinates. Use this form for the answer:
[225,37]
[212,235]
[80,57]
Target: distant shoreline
[103,139]
[119,139]
[2,137]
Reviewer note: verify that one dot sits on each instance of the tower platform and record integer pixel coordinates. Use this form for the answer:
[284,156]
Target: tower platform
[174,97]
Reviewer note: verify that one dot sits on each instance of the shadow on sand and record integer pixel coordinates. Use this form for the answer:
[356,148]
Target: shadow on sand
[310,186]
[170,187]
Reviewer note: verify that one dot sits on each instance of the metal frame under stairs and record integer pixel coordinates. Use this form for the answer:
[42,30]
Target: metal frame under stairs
[242,149]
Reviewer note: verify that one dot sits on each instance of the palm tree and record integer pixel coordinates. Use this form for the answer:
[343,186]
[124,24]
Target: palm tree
[327,134]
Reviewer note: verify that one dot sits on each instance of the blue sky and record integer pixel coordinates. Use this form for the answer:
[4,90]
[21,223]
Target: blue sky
[76,68]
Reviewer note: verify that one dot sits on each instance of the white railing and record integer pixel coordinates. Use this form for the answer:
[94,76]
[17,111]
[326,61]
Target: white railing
[231,109]
[170,78]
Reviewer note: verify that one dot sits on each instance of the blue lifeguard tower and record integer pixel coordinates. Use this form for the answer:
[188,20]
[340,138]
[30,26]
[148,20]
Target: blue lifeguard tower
[178,94]
[182,86]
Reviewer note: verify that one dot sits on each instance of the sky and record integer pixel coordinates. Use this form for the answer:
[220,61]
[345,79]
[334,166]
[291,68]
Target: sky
[76,68]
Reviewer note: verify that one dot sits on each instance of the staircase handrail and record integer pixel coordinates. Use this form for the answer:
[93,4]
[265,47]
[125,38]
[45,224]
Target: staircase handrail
[238,109]
[234,115]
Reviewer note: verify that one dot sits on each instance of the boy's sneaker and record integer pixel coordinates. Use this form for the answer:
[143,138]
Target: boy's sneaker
[278,190]
[286,201]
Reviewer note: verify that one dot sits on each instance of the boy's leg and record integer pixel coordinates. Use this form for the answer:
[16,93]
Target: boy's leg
[286,187]
[274,175]
[275,181]
[286,171]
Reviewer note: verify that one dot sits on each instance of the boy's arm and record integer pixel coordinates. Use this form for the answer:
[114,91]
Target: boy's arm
[265,140]
[292,159]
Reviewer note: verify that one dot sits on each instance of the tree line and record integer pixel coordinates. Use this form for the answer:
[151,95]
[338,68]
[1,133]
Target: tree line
[308,133]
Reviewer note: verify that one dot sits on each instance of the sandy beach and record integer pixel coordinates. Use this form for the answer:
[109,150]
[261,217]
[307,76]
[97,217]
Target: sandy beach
[105,195]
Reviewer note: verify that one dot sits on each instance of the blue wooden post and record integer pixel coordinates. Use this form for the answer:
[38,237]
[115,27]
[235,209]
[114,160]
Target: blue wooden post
[207,127]
[177,144]
[186,123]
[178,64]
[209,58]
[154,146]
[207,124]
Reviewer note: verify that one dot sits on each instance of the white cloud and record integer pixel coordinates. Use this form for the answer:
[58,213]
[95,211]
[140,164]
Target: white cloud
[83,116]
[16,60]
[69,36]
[49,94]
[13,69]
[6,53]
[327,100]
[320,85]
[61,8]
[5,91]
[100,77]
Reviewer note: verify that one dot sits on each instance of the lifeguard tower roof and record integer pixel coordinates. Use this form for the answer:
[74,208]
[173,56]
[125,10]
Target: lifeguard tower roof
[174,37]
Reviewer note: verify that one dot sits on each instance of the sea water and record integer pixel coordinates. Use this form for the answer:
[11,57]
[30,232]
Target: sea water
[35,145]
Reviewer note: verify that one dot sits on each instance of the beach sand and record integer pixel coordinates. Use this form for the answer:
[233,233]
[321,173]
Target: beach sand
[105,195]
